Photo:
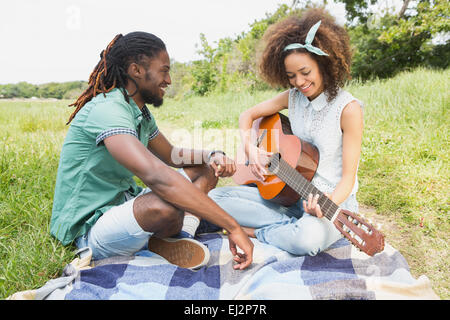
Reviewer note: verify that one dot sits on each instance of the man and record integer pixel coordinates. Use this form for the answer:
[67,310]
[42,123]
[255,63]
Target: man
[114,137]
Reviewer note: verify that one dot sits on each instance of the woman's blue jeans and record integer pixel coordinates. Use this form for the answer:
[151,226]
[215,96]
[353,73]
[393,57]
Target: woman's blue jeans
[288,228]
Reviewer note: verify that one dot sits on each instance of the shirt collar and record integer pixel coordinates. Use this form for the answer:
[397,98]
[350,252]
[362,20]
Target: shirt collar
[319,102]
[138,113]
[146,113]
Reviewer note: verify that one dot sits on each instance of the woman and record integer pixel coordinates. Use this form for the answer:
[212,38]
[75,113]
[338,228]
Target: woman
[311,56]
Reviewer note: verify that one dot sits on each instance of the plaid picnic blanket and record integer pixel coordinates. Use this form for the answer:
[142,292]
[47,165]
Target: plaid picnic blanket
[341,272]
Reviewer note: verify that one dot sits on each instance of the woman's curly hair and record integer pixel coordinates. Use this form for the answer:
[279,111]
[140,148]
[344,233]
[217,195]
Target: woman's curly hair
[330,38]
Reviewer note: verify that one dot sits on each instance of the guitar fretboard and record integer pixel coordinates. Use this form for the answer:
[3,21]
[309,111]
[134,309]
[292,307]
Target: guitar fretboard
[302,186]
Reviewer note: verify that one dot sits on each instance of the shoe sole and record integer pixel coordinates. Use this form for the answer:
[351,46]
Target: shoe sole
[185,253]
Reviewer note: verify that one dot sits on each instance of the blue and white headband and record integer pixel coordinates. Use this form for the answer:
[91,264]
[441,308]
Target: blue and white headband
[309,39]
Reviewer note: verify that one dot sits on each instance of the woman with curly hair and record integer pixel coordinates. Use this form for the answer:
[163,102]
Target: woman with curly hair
[310,57]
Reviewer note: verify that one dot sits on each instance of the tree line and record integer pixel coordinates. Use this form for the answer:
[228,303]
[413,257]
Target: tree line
[384,41]
[56,90]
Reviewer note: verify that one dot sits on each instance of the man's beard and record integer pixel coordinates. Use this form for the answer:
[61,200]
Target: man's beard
[150,98]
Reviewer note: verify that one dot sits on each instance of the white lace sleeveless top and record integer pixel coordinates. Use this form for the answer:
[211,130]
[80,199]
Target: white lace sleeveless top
[319,123]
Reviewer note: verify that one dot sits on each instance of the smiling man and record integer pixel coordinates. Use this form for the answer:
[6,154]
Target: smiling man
[114,137]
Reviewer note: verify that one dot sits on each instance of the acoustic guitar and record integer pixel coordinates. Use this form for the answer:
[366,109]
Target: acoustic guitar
[292,167]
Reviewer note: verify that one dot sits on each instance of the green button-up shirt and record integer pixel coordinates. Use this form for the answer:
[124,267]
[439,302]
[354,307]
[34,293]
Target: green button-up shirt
[89,180]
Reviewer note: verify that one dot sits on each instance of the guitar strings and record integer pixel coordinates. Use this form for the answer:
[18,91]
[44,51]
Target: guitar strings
[296,180]
[299,183]
[304,187]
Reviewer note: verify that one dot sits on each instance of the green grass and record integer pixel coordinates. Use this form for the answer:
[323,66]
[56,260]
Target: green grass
[403,173]
[404,165]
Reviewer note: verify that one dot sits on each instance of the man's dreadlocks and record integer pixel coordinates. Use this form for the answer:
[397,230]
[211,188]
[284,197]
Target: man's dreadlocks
[111,71]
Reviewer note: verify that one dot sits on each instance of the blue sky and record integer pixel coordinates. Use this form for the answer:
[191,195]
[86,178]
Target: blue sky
[45,40]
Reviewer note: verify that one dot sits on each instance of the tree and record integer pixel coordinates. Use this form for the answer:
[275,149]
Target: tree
[387,42]
[204,70]
[357,9]
[234,60]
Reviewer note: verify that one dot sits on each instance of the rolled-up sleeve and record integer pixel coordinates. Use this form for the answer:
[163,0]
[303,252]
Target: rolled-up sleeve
[110,118]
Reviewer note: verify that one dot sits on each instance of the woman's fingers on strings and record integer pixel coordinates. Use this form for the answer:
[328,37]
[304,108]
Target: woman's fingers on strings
[305,208]
[314,201]
[310,199]
[311,206]
[319,213]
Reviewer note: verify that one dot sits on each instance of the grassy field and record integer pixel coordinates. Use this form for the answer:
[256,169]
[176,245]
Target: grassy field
[404,170]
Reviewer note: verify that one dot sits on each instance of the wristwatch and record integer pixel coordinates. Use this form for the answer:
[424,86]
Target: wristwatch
[214,152]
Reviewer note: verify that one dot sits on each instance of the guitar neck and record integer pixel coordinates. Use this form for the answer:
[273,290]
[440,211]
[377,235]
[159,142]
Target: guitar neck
[302,186]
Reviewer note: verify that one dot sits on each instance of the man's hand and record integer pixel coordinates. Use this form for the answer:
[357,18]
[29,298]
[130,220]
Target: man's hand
[240,239]
[222,165]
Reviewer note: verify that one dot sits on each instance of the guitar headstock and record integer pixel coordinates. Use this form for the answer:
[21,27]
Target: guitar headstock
[362,234]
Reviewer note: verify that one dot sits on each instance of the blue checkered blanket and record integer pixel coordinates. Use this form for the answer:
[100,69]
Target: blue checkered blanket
[341,272]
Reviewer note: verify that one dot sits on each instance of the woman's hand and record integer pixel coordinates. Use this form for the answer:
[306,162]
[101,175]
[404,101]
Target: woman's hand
[258,160]
[312,207]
